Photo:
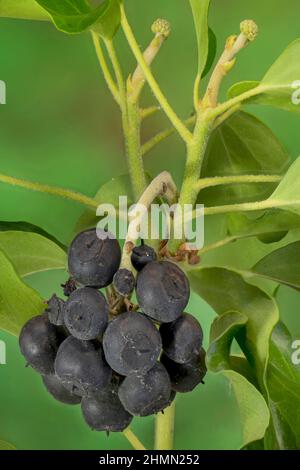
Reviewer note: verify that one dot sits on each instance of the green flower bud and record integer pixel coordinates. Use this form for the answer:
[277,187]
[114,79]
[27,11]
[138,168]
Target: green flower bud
[162,27]
[250,29]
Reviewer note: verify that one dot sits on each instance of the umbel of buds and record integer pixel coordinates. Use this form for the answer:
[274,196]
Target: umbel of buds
[161,27]
[250,29]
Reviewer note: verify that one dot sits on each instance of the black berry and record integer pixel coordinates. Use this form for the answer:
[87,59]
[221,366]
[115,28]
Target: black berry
[81,367]
[86,313]
[162,291]
[182,339]
[142,255]
[55,310]
[185,377]
[131,343]
[124,282]
[146,394]
[105,412]
[58,391]
[93,261]
[39,341]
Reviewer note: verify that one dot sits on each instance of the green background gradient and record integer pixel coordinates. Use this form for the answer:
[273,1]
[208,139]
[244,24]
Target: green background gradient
[60,127]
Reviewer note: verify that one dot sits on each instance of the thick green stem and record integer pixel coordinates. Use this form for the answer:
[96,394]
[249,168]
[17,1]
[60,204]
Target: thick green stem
[195,155]
[164,429]
[132,132]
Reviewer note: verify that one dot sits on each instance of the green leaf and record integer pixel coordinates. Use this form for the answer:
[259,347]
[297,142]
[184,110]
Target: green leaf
[18,302]
[282,266]
[279,84]
[75,16]
[6,446]
[283,382]
[253,409]
[108,194]
[287,194]
[270,227]
[31,253]
[26,227]
[23,9]
[212,51]
[241,145]
[226,290]
[206,44]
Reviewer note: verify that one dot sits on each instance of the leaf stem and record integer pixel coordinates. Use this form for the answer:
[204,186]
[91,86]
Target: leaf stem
[164,429]
[106,73]
[134,441]
[177,123]
[249,206]
[236,179]
[53,190]
[163,185]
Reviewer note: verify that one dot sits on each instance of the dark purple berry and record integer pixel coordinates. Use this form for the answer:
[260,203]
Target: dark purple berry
[162,291]
[124,282]
[146,394]
[86,313]
[141,256]
[93,261]
[182,339]
[55,310]
[131,343]
[39,341]
[81,367]
[58,391]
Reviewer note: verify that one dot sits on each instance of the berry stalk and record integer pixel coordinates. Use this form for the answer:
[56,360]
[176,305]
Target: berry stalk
[164,429]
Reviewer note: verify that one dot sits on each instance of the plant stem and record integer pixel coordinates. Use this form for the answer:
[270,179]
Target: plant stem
[53,190]
[163,185]
[235,179]
[164,429]
[147,112]
[134,441]
[106,73]
[177,123]
[131,128]
[250,206]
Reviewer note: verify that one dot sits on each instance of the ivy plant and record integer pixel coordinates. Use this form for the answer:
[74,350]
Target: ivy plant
[251,194]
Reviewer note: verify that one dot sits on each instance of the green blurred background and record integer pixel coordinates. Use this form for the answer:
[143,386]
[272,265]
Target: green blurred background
[60,127]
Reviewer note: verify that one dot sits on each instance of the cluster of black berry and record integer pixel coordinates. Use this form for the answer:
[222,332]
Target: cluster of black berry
[116,366]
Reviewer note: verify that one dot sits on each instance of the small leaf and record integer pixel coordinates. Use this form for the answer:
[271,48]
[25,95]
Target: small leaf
[282,266]
[26,227]
[212,51]
[241,145]
[77,15]
[287,194]
[23,9]
[253,409]
[6,446]
[200,9]
[108,194]
[279,84]
[18,302]
[31,253]
[283,382]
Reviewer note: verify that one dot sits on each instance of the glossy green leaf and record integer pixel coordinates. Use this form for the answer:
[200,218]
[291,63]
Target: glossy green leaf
[108,194]
[281,84]
[253,409]
[242,145]
[282,266]
[26,227]
[287,194]
[31,252]
[18,302]
[6,446]
[270,227]
[283,382]
[23,9]
[75,16]
[225,290]
[200,9]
